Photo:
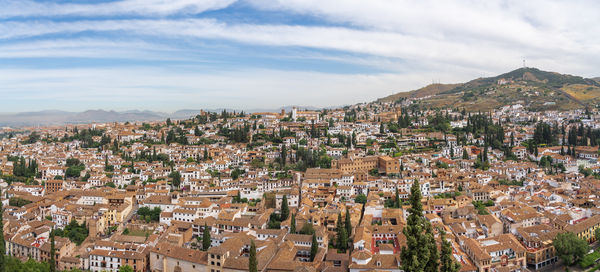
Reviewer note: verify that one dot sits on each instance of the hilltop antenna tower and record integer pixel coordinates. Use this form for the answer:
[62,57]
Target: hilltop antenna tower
[524,66]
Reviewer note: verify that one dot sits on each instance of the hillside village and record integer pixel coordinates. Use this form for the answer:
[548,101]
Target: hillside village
[327,190]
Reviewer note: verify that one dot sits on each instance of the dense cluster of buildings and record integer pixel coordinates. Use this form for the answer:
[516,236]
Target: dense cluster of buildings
[147,192]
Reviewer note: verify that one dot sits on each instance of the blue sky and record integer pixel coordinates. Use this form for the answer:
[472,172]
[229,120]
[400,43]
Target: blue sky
[244,54]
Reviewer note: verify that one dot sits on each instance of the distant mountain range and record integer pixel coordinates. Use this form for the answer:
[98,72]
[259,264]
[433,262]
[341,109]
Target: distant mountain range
[57,117]
[534,88]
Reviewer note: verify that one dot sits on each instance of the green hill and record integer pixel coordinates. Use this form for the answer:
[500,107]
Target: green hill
[531,87]
[432,89]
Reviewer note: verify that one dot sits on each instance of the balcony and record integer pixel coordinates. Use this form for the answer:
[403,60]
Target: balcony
[499,259]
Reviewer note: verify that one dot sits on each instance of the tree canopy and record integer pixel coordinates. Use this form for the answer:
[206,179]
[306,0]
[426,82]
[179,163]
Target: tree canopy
[569,247]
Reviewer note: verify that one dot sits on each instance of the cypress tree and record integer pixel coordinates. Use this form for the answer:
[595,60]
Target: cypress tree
[252,262]
[397,199]
[340,233]
[342,240]
[283,155]
[348,223]
[485,153]
[314,247]
[285,210]
[293,224]
[447,262]
[339,224]
[52,253]
[2,244]
[206,238]
[433,263]
[417,254]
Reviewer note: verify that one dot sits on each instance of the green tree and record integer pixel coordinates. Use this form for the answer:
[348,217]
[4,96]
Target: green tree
[597,234]
[433,263]
[125,268]
[361,198]
[175,179]
[293,223]
[339,223]
[314,248]
[348,223]
[397,199]
[446,259]
[2,243]
[342,236]
[18,202]
[252,262]
[283,154]
[206,240]
[307,228]
[52,254]
[342,239]
[569,247]
[238,197]
[147,214]
[418,254]
[285,210]
[76,233]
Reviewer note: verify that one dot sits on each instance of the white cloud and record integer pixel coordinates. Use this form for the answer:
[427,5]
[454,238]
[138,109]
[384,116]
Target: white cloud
[29,8]
[414,41]
[551,52]
[549,32]
[170,90]
[87,48]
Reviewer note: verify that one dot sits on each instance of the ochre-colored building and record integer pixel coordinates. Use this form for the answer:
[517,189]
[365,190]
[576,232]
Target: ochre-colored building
[53,186]
[385,164]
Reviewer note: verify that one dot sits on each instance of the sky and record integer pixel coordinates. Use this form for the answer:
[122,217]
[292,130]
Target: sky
[165,55]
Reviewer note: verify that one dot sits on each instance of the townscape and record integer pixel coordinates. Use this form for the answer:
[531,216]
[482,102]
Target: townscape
[299,136]
[389,186]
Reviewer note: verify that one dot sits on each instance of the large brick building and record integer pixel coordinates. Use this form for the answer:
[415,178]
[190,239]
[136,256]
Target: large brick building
[53,186]
[384,164]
